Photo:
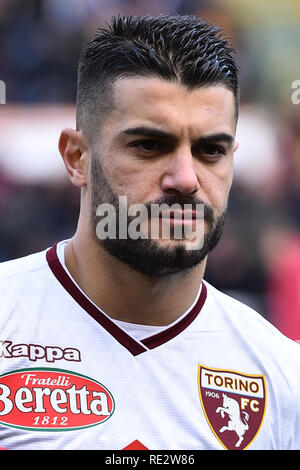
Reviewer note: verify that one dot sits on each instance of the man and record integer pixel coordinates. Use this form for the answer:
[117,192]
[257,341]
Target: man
[111,341]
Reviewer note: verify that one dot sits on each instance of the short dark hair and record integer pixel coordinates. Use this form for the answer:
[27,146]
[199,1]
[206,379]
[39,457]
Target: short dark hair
[178,48]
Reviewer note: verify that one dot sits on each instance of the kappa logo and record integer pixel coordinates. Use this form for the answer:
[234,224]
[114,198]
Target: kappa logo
[35,351]
[234,405]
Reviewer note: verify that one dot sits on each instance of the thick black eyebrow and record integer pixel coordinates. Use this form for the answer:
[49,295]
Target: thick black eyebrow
[214,138]
[153,132]
[149,132]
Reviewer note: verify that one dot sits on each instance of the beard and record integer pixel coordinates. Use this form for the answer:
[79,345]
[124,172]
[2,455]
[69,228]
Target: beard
[145,255]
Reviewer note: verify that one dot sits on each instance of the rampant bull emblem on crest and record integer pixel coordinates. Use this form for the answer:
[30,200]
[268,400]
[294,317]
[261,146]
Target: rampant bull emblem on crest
[232,408]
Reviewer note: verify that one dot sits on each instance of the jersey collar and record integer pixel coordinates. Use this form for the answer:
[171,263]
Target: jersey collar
[132,345]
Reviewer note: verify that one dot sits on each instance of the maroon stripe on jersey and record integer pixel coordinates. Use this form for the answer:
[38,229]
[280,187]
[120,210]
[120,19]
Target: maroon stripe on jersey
[121,336]
[61,275]
[169,333]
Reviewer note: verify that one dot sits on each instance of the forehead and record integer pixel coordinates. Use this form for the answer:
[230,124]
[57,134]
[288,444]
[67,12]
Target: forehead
[171,107]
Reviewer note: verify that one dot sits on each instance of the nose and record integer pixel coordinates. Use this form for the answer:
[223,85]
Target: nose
[180,173]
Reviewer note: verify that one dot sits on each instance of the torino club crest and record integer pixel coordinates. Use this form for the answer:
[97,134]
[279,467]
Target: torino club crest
[234,405]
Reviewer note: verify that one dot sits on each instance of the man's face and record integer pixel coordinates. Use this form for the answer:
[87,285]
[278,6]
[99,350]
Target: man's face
[163,144]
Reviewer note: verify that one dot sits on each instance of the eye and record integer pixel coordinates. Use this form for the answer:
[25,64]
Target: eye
[147,145]
[211,151]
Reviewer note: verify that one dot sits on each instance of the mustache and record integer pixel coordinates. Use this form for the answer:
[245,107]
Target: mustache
[99,180]
[182,200]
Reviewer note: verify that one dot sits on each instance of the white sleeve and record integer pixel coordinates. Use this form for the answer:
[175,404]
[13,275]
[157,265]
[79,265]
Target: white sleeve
[294,443]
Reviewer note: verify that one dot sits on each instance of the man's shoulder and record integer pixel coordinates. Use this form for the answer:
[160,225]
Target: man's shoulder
[227,301]
[236,307]
[252,325]
[23,266]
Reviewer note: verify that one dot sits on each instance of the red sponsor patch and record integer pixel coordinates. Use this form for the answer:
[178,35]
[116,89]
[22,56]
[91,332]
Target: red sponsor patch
[135,445]
[234,405]
[52,400]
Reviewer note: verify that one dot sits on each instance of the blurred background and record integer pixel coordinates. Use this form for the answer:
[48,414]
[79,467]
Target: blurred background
[258,258]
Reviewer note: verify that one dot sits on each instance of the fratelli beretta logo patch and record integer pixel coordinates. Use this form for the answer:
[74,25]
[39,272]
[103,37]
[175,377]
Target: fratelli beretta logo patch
[234,405]
[52,400]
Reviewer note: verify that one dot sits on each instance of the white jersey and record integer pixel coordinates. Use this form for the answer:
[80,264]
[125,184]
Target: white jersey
[220,377]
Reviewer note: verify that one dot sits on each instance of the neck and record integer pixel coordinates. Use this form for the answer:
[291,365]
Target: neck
[125,294]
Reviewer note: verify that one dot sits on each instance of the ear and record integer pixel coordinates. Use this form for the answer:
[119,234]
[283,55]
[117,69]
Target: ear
[74,150]
[235,145]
